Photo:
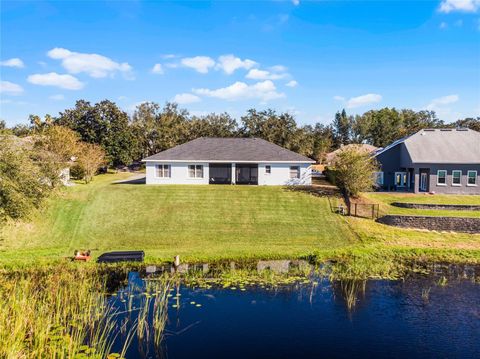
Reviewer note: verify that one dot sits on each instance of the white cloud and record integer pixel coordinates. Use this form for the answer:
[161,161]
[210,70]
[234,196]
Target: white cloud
[292,83]
[229,64]
[443,25]
[68,82]
[10,88]
[92,64]
[448,6]
[279,68]
[157,69]
[58,97]
[199,63]
[185,98]
[436,103]
[339,98]
[363,100]
[296,2]
[15,62]
[168,56]
[265,91]
[257,74]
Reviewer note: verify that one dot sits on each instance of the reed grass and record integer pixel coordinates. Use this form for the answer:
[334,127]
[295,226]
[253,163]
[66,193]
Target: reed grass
[63,312]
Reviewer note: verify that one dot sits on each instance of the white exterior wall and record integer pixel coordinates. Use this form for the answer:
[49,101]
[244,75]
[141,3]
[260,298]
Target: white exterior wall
[178,173]
[279,176]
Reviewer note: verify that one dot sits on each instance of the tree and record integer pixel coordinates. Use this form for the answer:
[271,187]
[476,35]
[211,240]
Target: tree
[3,128]
[354,171]
[90,158]
[103,124]
[21,130]
[54,149]
[212,125]
[22,188]
[280,129]
[386,126]
[412,121]
[342,129]
[469,122]
[322,141]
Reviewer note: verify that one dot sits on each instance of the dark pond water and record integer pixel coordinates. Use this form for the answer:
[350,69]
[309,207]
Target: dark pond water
[420,317]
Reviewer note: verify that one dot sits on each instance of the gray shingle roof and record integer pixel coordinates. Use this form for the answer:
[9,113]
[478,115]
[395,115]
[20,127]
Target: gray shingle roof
[229,149]
[455,146]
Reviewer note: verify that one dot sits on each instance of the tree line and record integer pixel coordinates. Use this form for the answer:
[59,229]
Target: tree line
[152,128]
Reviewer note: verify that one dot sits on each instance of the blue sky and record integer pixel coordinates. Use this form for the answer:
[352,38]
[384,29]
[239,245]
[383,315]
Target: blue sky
[309,58]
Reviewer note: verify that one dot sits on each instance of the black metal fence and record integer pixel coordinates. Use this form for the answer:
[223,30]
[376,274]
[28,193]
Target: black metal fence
[364,210]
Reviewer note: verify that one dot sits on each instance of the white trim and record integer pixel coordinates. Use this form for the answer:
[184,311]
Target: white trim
[476,178]
[195,171]
[269,172]
[446,173]
[298,172]
[457,184]
[225,161]
[423,185]
[163,169]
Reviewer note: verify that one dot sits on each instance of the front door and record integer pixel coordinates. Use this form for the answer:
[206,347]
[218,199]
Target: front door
[423,181]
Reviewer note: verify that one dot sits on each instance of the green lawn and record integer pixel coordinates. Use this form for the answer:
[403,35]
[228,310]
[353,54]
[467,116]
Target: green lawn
[205,223]
[386,199]
[197,222]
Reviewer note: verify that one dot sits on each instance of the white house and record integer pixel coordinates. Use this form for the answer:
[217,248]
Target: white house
[228,161]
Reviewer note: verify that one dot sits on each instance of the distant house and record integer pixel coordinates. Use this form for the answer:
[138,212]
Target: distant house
[432,160]
[228,161]
[332,156]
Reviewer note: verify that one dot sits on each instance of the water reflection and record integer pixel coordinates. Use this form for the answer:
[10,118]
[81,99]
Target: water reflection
[218,310]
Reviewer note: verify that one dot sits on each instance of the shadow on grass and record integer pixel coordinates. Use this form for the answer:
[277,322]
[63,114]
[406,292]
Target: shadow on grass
[140,180]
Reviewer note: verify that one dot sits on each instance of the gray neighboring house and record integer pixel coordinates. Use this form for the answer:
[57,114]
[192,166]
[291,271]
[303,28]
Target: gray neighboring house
[228,161]
[432,160]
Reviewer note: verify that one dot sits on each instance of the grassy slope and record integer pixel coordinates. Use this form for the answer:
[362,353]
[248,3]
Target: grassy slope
[385,200]
[216,222]
[197,222]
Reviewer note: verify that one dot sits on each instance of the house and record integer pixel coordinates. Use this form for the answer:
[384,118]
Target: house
[432,160]
[228,161]
[331,157]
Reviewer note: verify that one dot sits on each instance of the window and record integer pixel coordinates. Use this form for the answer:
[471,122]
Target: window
[401,179]
[268,170]
[378,177]
[471,178]
[294,172]
[195,171]
[441,178]
[456,178]
[163,171]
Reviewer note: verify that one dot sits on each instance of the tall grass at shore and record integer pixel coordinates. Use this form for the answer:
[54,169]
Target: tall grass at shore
[64,312]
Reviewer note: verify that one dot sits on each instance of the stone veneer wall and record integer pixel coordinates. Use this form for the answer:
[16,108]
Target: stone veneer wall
[459,207]
[455,224]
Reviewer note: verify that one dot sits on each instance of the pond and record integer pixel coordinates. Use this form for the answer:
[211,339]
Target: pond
[422,316]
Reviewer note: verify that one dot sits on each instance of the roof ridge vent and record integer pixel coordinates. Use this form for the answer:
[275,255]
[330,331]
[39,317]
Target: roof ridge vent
[462,129]
[446,129]
[429,129]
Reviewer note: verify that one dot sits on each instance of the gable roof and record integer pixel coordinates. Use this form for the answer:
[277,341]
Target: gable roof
[228,150]
[446,145]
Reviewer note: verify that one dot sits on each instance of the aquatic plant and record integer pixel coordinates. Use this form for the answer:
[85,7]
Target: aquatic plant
[63,312]
[426,293]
